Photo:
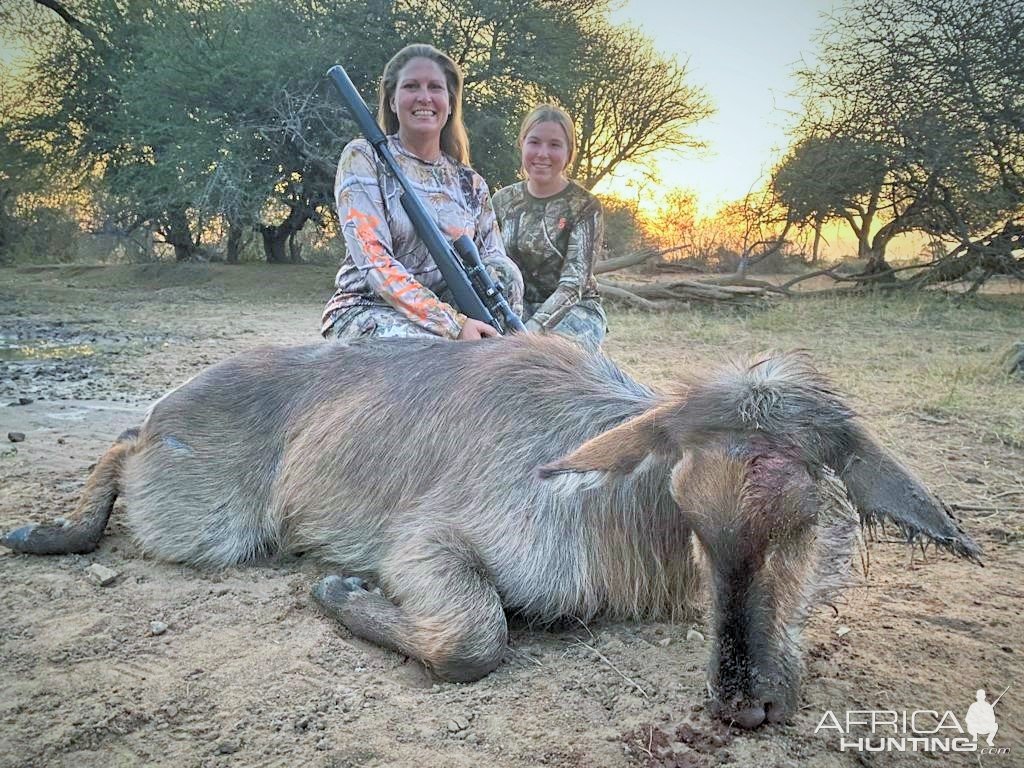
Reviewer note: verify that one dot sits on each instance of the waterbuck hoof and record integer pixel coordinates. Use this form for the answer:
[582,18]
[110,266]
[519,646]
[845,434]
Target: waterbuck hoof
[18,538]
[333,592]
[59,539]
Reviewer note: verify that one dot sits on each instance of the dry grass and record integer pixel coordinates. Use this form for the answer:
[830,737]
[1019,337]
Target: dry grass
[924,370]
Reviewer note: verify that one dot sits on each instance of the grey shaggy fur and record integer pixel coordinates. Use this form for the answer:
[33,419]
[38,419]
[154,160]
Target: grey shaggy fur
[524,474]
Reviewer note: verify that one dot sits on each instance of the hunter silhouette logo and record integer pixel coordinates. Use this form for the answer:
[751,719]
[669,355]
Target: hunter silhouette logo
[917,730]
[981,717]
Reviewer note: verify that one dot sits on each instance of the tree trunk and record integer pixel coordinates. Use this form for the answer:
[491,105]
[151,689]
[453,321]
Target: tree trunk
[877,269]
[7,225]
[817,241]
[179,236]
[274,245]
[275,237]
[863,247]
[295,248]
[234,242]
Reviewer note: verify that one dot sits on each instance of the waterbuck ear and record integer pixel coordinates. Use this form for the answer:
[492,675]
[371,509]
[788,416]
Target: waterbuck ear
[619,450]
[885,491]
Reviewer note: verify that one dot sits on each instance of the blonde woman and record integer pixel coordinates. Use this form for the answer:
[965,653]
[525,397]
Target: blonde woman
[553,228]
[388,284]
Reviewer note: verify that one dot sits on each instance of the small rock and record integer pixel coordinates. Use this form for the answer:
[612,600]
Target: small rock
[693,636]
[842,631]
[228,747]
[101,575]
[323,745]
[664,641]
[16,437]
[472,739]
[171,711]
[157,628]
[457,724]
[25,401]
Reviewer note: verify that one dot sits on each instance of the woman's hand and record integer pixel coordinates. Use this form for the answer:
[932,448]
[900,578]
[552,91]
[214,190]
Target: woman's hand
[476,329]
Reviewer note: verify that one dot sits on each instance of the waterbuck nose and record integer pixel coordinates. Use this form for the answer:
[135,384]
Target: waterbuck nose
[776,713]
[749,718]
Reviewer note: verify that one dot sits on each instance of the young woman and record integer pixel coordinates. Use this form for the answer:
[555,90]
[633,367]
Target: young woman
[553,228]
[388,284]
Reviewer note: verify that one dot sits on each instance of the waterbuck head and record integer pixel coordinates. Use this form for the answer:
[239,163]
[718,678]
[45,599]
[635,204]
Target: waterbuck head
[773,473]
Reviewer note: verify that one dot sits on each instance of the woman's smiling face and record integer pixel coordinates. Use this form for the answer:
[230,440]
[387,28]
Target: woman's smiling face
[545,152]
[421,98]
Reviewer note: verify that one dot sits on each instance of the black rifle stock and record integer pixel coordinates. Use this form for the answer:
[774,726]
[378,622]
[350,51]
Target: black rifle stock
[471,286]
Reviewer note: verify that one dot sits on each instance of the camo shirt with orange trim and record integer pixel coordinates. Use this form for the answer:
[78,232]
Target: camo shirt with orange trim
[386,263]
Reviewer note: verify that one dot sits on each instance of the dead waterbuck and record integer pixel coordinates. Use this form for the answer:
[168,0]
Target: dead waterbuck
[523,474]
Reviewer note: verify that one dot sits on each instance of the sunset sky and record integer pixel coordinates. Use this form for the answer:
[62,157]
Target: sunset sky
[743,54]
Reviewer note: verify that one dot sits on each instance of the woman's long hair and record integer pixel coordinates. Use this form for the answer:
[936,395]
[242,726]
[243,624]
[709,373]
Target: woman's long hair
[454,140]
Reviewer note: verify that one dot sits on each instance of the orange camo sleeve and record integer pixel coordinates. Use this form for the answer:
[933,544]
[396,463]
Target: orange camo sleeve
[392,282]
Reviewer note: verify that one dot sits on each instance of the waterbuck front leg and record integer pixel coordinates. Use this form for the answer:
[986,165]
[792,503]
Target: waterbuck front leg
[438,605]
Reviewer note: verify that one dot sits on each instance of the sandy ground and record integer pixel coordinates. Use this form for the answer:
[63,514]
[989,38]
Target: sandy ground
[242,670]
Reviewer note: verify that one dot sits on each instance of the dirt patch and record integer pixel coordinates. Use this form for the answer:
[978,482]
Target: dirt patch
[170,665]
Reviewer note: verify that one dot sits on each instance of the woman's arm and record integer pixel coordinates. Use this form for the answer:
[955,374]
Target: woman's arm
[492,251]
[584,241]
[369,245]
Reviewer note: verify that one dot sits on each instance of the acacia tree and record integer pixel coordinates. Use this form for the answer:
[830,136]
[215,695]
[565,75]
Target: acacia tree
[83,56]
[824,178]
[18,163]
[181,125]
[914,120]
[167,111]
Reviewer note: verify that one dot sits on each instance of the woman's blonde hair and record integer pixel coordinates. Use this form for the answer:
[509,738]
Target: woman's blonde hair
[549,113]
[454,140]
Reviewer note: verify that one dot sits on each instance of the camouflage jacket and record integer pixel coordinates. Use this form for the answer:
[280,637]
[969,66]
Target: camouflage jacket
[385,262]
[554,241]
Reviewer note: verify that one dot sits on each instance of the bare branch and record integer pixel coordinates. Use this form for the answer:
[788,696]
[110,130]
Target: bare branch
[76,24]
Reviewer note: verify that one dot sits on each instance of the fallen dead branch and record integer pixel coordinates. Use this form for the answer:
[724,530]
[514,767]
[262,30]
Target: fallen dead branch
[631,259]
[662,295]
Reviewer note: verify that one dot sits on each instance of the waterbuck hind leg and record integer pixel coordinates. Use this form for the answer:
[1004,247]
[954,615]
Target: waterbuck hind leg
[82,530]
[439,606]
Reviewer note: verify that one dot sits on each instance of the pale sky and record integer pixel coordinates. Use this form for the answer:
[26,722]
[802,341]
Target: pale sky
[743,53]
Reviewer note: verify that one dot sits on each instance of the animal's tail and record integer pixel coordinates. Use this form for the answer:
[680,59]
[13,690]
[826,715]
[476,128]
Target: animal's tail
[81,532]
